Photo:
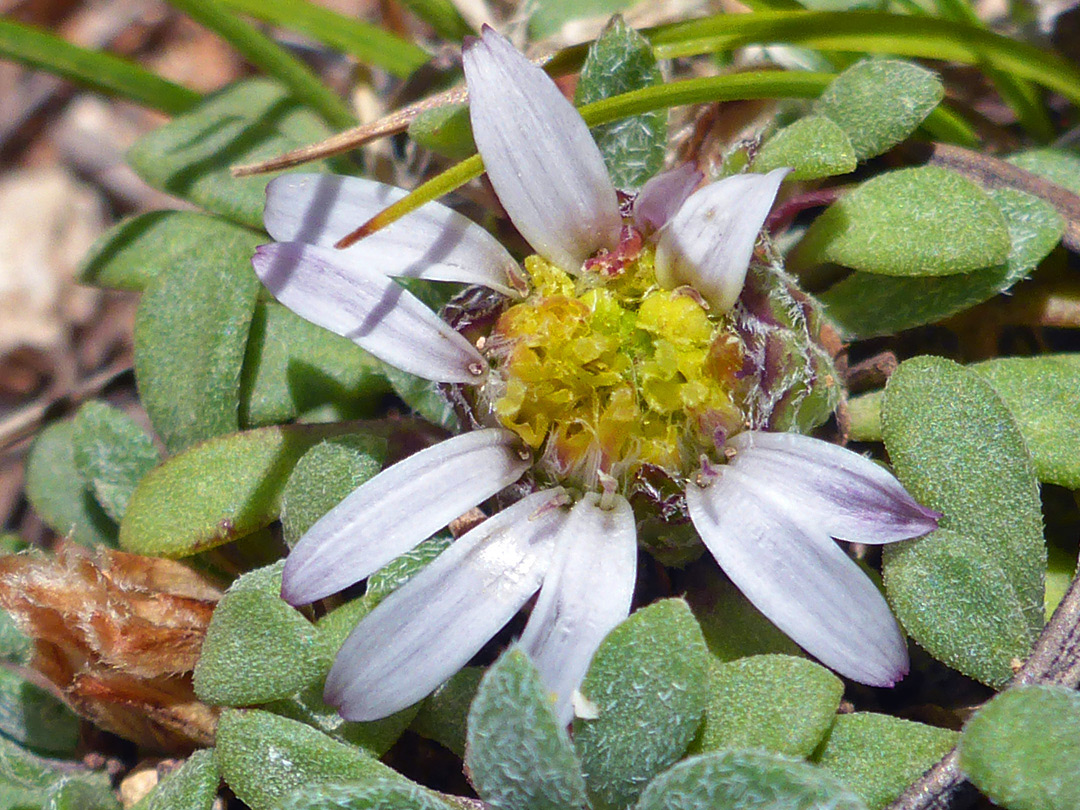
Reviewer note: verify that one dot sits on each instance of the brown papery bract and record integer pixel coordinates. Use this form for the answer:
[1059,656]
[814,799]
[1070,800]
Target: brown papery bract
[118,635]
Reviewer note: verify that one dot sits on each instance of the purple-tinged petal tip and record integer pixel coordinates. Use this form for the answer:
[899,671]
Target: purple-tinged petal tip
[790,569]
[848,495]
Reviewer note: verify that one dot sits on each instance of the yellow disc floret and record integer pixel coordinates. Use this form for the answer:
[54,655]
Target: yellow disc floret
[606,372]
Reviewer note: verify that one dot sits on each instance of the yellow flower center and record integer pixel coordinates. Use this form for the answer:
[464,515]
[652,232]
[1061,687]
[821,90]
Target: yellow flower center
[606,372]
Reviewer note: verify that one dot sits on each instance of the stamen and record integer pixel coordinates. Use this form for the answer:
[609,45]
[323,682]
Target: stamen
[608,490]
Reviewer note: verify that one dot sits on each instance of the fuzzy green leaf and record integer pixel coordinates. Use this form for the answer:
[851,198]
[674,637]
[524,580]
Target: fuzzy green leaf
[191,156]
[323,477]
[972,592]
[131,253]
[1041,392]
[444,713]
[371,794]
[445,130]
[192,786]
[112,454]
[878,756]
[732,626]
[925,221]
[28,782]
[1022,749]
[879,102]
[296,369]
[264,757]
[776,703]
[746,780]
[648,681]
[1061,166]
[35,718]
[619,61]
[257,648]
[814,147]
[58,492]
[191,334]
[217,491]
[868,304]
[518,756]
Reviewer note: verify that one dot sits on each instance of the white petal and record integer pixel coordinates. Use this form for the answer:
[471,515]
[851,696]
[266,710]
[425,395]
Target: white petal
[664,194]
[432,242]
[428,629]
[398,508]
[709,242]
[586,593]
[846,494]
[799,578]
[539,155]
[370,309]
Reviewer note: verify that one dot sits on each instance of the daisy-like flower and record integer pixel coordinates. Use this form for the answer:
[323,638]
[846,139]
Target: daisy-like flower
[632,370]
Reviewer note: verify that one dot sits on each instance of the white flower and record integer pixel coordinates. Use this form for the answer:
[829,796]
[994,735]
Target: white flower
[768,515]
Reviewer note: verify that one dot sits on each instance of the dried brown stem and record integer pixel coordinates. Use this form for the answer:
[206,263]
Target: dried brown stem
[395,122]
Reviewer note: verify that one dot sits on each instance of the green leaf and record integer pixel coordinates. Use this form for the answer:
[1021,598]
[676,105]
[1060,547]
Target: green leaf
[28,782]
[371,794]
[814,147]
[548,17]
[864,413]
[1022,749]
[296,369]
[971,593]
[746,780]
[217,491]
[1041,393]
[878,756]
[648,681]
[135,251]
[879,102]
[445,130]
[191,332]
[322,478]
[192,786]
[95,69]
[15,646]
[867,304]
[621,60]
[1061,166]
[732,626]
[924,221]
[58,493]
[257,648]
[776,703]
[443,715]
[518,756]
[112,454]
[957,602]
[35,718]
[81,794]
[191,156]
[264,757]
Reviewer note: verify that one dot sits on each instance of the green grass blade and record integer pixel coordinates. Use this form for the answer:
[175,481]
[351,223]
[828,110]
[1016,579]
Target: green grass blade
[370,44]
[270,57]
[443,16]
[870,32]
[99,71]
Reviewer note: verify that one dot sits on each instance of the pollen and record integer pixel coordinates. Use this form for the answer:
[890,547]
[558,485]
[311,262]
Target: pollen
[604,373]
